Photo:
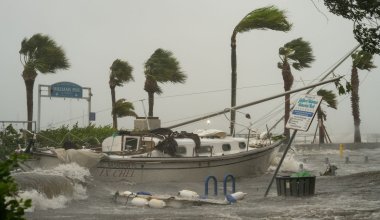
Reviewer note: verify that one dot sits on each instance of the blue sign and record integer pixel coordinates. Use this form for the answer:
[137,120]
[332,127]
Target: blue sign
[303,113]
[66,89]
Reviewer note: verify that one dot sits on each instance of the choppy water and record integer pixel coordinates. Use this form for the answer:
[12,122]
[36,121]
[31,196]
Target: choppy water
[354,193]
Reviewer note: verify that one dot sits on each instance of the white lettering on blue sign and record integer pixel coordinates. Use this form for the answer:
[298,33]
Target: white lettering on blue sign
[66,89]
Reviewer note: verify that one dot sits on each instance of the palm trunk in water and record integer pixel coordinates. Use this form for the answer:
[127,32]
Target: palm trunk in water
[321,126]
[355,104]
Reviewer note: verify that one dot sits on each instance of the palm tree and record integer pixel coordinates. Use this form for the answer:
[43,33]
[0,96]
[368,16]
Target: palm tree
[121,72]
[329,98]
[161,67]
[39,54]
[297,53]
[263,18]
[360,60]
[123,108]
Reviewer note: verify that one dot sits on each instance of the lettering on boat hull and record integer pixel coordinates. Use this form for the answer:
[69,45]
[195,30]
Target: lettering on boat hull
[116,169]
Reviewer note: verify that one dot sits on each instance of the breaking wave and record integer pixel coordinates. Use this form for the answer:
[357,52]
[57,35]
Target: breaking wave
[53,188]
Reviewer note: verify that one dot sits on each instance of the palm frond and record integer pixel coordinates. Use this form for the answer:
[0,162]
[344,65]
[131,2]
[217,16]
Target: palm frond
[121,72]
[123,109]
[43,54]
[299,51]
[363,60]
[264,18]
[329,97]
[164,67]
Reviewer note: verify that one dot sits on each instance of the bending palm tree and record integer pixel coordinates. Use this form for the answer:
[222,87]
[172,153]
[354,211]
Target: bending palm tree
[121,72]
[330,98]
[297,53]
[123,108]
[262,18]
[360,60]
[39,54]
[161,67]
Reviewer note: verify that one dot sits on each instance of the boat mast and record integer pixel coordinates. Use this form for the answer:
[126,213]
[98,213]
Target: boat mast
[254,103]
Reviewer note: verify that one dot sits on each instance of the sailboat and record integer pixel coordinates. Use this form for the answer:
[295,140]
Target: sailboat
[163,155]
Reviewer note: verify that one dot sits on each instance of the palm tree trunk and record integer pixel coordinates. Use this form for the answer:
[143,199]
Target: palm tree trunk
[233,81]
[113,98]
[355,104]
[29,84]
[29,76]
[151,103]
[321,126]
[288,82]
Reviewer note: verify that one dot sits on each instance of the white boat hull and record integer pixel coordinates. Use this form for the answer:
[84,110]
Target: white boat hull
[172,169]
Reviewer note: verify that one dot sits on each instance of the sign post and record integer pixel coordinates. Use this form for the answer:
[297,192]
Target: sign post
[300,119]
[63,90]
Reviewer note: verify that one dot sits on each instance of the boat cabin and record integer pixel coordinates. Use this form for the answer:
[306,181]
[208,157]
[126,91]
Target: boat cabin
[146,146]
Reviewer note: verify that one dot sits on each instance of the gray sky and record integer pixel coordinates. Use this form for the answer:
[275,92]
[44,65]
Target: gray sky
[95,33]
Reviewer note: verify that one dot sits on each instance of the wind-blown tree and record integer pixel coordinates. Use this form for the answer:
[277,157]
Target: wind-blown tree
[161,67]
[299,54]
[329,98]
[39,54]
[366,18]
[260,19]
[360,60]
[121,73]
[123,108]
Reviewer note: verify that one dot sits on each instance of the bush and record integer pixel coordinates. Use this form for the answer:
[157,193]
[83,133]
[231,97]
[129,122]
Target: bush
[10,140]
[89,136]
[11,206]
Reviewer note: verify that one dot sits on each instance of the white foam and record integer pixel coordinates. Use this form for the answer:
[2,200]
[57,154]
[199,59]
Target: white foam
[41,202]
[70,170]
[290,164]
[80,192]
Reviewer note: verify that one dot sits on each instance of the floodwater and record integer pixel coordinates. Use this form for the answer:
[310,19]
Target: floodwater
[354,193]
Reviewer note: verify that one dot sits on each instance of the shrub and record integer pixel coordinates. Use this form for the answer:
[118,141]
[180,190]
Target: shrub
[11,206]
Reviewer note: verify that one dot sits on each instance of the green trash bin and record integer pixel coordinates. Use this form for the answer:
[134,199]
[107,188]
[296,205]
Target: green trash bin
[295,186]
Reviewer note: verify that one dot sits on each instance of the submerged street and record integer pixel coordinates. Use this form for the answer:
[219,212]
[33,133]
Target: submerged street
[352,194]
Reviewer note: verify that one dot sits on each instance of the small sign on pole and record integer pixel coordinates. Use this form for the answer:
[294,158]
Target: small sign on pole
[303,112]
[92,116]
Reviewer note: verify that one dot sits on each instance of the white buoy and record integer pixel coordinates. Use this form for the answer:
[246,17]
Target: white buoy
[238,195]
[188,194]
[138,201]
[156,203]
[127,193]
